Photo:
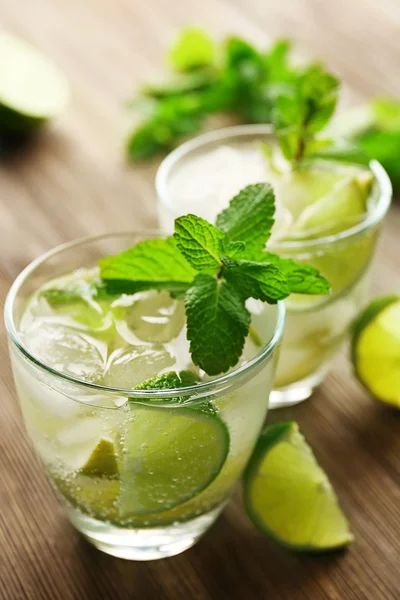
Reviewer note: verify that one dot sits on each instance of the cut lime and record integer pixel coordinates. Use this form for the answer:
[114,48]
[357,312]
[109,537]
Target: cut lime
[344,206]
[95,496]
[289,497]
[102,461]
[169,456]
[32,89]
[376,349]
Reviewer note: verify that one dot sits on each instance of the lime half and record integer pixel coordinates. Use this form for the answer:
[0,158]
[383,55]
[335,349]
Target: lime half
[32,88]
[169,456]
[289,497]
[376,349]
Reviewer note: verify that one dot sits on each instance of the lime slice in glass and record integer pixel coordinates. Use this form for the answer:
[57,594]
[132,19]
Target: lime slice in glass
[102,461]
[32,88]
[341,208]
[289,497]
[169,456]
[376,349]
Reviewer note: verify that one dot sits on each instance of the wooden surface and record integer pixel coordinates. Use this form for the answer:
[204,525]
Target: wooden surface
[74,182]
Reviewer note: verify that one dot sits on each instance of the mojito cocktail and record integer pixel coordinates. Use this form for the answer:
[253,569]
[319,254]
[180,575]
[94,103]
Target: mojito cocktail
[141,445]
[328,215]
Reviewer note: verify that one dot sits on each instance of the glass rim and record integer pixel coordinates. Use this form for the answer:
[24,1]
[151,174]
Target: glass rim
[373,217]
[203,388]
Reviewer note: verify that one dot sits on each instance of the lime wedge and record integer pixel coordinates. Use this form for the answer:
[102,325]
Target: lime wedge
[289,497]
[341,208]
[376,349]
[169,456]
[32,89]
[102,461]
[95,496]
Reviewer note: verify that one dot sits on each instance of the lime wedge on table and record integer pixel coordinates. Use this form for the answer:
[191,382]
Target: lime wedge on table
[341,208]
[289,497]
[376,349]
[32,89]
[169,456]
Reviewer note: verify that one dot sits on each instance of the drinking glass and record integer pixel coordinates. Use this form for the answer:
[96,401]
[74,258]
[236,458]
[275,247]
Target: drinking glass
[179,452]
[315,325]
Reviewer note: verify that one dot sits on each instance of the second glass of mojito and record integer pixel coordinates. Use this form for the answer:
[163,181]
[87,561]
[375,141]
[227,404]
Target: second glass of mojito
[328,216]
[143,469]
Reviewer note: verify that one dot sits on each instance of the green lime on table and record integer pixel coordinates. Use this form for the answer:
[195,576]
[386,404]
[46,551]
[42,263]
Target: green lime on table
[169,456]
[376,349]
[32,89]
[289,497]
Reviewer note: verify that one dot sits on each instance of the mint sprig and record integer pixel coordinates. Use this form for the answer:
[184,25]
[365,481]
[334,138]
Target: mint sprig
[302,110]
[215,269]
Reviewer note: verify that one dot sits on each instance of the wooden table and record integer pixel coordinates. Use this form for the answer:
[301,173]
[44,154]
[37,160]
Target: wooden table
[74,182]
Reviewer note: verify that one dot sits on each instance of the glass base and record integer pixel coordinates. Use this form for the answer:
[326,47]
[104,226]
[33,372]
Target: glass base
[146,543]
[297,392]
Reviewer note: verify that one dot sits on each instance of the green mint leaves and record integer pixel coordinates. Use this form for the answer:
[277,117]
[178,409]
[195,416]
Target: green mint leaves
[207,78]
[302,110]
[215,270]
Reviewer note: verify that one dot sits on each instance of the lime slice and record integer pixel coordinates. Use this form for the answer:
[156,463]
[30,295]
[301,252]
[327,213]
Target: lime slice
[376,349]
[32,89]
[289,497]
[169,456]
[344,206]
[102,461]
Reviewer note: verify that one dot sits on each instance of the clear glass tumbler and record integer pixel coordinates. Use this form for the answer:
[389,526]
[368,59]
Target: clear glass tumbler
[179,452]
[315,326]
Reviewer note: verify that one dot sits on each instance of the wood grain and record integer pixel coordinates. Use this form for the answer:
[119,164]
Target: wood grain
[73,181]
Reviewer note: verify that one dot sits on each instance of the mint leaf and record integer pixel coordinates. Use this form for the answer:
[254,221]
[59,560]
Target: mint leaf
[199,242]
[217,323]
[169,381]
[152,264]
[262,281]
[193,48]
[171,119]
[250,216]
[234,249]
[301,279]
[186,83]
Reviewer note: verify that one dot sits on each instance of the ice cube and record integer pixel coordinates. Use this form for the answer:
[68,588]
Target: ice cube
[67,350]
[127,367]
[149,316]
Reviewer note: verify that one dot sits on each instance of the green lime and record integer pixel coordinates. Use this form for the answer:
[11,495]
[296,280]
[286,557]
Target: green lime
[376,349]
[344,206]
[32,88]
[169,456]
[102,461]
[95,496]
[289,497]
